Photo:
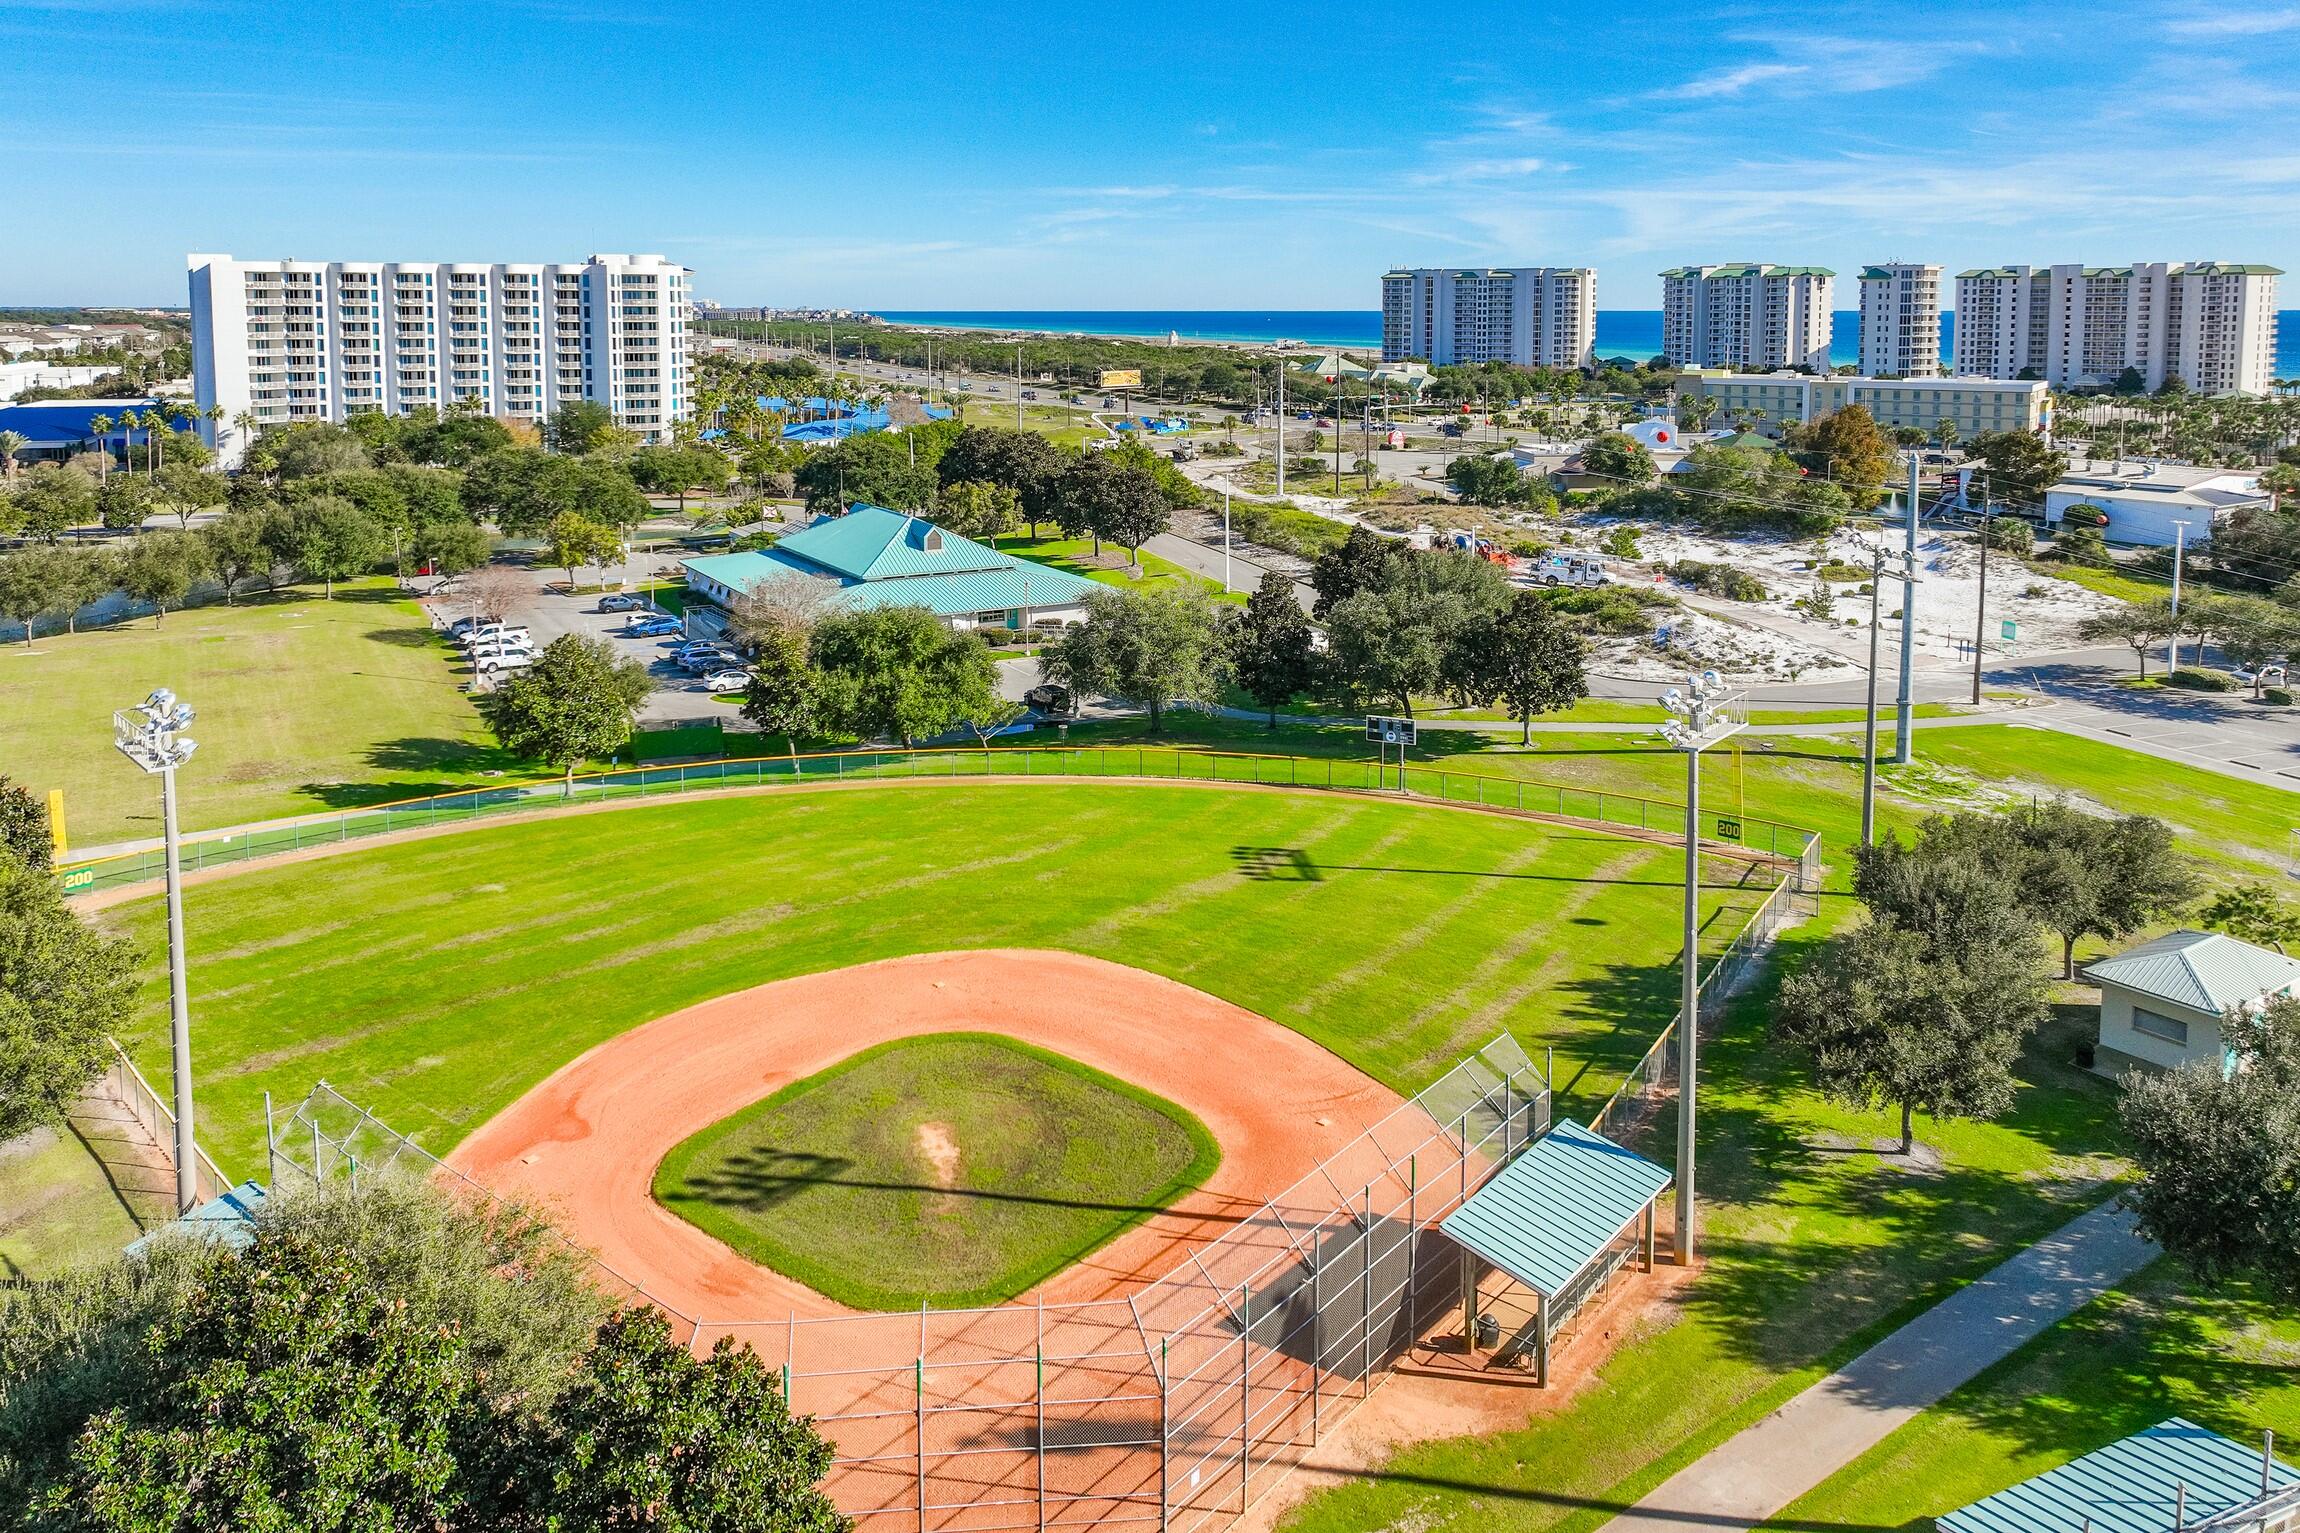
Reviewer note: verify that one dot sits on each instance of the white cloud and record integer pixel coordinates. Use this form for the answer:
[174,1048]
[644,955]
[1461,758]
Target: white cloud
[2248,22]
[1730,82]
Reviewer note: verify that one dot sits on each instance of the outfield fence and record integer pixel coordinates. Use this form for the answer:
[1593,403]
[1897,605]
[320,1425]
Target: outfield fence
[1570,802]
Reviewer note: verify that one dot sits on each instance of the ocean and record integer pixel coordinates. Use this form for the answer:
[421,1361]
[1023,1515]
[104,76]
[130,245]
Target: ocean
[1620,332]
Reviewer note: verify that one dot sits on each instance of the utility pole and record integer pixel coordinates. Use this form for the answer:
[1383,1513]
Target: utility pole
[1018,385]
[1281,425]
[1981,618]
[1904,707]
[1225,542]
[2172,644]
[1869,715]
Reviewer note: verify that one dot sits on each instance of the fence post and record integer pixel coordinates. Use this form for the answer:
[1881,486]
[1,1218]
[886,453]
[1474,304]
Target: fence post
[920,1377]
[1164,1390]
[1413,1246]
[1366,1301]
[1041,1356]
[1245,1398]
[1317,1330]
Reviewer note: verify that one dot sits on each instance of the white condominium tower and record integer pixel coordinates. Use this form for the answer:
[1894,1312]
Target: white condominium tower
[1900,321]
[1747,316]
[1532,316]
[2208,323]
[274,342]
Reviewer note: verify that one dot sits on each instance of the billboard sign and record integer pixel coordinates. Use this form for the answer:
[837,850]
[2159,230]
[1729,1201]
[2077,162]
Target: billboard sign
[1123,378]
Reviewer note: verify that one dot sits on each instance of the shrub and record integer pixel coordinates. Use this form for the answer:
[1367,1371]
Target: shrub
[2011,535]
[2196,680]
[2277,697]
[1620,541]
[1718,580]
[1608,609]
[1843,574]
[2082,546]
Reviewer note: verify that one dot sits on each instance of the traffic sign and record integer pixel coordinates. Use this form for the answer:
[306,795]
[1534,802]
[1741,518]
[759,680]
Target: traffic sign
[2011,630]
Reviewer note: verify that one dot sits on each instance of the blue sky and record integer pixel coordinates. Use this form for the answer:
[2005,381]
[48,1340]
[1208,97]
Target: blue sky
[1187,155]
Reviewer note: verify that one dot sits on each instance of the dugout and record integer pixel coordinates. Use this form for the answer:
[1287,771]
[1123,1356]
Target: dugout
[1559,1221]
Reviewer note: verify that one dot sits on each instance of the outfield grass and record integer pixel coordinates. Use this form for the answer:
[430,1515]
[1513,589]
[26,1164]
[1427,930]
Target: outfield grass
[833,1180]
[437,979]
[2153,1348]
[304,704]
[57,1209]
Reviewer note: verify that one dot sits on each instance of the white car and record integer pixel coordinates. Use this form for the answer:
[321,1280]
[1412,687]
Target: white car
[730,680]
[509,660]
[498,634]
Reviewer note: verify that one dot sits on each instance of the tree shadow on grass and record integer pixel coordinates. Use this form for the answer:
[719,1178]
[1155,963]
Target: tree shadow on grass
[406,638]
[439,759]
[757,1180]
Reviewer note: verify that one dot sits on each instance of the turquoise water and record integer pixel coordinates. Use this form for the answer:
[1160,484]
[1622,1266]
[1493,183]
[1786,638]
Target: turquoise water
[1634,333]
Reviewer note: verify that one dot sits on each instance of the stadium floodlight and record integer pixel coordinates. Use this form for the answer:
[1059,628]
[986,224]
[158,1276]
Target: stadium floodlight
[1699,718]
[151,734]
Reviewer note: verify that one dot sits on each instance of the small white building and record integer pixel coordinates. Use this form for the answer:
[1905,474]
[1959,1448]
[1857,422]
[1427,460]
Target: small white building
[2145,500]
[2162,1002]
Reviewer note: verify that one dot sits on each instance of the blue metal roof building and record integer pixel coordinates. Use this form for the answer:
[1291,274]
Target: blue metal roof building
[2176,1475]
[1554,1219]
[879,558]
[57,428]
[229,1218]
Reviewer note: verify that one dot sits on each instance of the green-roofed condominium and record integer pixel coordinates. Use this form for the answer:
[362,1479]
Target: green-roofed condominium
[2212,324]
[872,557]
[1901,320]
[1747,316]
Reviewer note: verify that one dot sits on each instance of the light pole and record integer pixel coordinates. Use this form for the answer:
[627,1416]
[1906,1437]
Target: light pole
[1904,708]
[1225,542]
[156,742]
[2172,642]
[1698,721]
[1869,714]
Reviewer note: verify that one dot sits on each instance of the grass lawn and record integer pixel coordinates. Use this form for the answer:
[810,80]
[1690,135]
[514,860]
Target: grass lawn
[1606,710]
[437,979]
[304,705]
[2154,1348]
[954,1170]
[57,1209]
[1076,556]
[2114,583]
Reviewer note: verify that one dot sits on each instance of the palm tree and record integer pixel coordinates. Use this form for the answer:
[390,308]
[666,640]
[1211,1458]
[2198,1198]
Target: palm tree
[11,443]
[129,421]
[101,425]
[1945,432]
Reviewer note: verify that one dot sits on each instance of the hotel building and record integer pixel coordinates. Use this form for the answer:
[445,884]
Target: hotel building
[1901,320]
[1530,316]
[1747,316]
[2209,323]
[276,342]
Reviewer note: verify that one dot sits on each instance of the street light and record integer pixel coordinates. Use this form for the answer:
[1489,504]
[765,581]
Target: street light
[151,735]
[1698,720]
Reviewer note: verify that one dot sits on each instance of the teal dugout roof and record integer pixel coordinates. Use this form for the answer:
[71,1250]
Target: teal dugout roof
[1552,1211]
[2130,1486]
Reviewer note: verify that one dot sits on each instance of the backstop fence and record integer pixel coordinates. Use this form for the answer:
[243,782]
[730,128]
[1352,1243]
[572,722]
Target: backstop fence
[1626,812]
[1168,1405]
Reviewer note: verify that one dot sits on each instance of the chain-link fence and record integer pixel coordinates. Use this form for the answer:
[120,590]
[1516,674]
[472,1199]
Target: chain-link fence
[1626,812]
[1168,1405]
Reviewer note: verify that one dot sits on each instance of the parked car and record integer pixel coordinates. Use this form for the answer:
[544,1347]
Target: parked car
[652,626]
[732,679]
[1051,701]
[500,651]
[622,601]
[509,660]
[496,633]
[718,660]
[464,625]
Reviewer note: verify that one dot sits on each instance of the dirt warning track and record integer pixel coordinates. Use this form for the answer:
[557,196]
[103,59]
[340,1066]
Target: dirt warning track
[588,1139]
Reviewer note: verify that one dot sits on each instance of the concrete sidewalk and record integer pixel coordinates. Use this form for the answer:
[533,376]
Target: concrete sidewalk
[1763,1468]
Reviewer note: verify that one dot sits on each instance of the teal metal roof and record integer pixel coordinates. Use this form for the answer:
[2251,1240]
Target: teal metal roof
[2128,1487]
[878,558]
[1551,1212]
[228,1217]
[2205,971]
[871,543]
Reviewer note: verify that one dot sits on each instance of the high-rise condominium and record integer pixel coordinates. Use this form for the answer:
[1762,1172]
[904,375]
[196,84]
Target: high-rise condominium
[1901,320]
[2208,323]
[1747,316]
[275,342]
[1533,316]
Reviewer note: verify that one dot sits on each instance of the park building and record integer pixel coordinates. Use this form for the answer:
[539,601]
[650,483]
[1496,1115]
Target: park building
[1971,405]
[2212,324]
[1527,316]
[1747,316]
[1901,320]
[872,557]
[278,342]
